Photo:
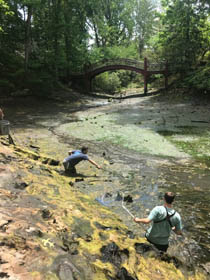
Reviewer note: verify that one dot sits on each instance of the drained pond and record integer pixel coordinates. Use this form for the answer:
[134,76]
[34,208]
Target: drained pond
[144,162]
[145,146]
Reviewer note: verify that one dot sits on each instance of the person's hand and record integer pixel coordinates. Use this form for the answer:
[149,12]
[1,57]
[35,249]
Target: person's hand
[98,166]
[135,219]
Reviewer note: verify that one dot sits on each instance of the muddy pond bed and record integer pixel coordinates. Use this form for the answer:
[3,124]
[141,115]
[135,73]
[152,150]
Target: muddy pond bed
[146,146]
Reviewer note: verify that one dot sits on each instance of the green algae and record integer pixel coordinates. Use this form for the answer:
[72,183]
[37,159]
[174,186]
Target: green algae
[197,146]
[132,136]
[82,227]
[51,276]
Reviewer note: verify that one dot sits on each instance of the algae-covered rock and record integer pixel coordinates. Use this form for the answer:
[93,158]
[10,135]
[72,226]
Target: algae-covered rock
[82,228]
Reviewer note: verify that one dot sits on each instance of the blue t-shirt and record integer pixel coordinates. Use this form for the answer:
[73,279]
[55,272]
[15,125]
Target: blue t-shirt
[75,158]
[159,233]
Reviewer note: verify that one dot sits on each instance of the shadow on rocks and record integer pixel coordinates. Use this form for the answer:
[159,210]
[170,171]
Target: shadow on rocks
[149,250]
[111,253]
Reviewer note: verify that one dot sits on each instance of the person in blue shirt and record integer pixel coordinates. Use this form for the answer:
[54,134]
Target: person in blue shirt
[164,219]
[75,157]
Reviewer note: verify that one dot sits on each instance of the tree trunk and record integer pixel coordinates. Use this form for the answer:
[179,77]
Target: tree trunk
[67,38]
[57,7]
[28,37]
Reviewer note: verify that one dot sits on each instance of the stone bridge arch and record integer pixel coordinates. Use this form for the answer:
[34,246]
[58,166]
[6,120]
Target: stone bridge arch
[144,68]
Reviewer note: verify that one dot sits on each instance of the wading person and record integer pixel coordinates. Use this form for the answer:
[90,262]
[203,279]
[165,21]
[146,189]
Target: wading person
[75,157]
[164,219]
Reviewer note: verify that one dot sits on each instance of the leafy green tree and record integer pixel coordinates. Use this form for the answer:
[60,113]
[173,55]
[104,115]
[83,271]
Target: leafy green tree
[4,10]
[44,40]
[110,22]
[146,23]
[182,36]
[60,35]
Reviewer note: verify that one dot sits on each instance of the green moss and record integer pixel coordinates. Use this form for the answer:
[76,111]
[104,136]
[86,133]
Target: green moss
[51,276]
[197,146]
[82,227]
[199,150]
[181,130]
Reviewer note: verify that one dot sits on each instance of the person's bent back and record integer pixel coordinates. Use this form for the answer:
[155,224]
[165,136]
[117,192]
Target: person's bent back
[75,157]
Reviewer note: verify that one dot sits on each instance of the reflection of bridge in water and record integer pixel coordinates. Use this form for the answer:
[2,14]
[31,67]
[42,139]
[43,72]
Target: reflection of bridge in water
[145,68]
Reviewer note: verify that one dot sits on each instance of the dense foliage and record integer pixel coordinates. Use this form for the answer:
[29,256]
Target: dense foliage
[42,41]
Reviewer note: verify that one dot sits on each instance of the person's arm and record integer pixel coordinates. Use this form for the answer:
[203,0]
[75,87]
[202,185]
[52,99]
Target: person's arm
[143,220]
[178,226]
[149,219]
[94,163]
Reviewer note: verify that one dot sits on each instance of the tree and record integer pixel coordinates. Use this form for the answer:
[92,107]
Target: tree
[146,22]
[110,22]
[4,10]
[182,36]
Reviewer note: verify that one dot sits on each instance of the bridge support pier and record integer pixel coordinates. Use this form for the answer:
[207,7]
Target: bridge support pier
[145,76]
[88,84]
[166,81]
[166,75]
[145,84]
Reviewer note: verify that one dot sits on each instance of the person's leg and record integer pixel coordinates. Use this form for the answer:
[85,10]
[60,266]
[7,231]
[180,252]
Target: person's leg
[69,168]
[72,170]
[162,248]
[66,165]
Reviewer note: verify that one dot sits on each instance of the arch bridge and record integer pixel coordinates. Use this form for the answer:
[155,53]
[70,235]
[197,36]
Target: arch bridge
[145,68]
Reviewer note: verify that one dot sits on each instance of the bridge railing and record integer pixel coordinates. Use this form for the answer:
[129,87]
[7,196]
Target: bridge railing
[156,66]
[116,61]
[126,62]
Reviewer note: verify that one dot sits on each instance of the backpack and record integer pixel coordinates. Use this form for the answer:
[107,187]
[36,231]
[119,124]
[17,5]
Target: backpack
[167,218]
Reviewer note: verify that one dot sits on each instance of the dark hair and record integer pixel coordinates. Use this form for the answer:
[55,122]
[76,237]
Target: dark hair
[84,149]
[169,197]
